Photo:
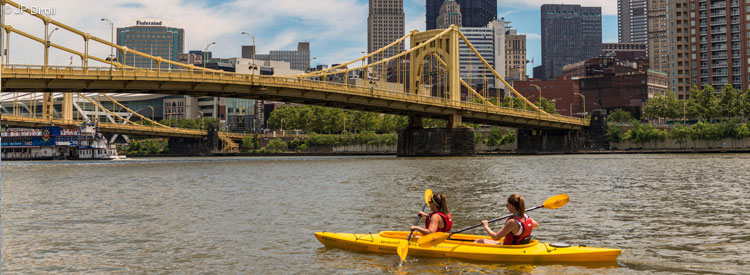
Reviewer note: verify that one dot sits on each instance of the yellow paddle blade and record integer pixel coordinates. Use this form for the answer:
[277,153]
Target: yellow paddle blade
[427,196]
[556,201]
[402,249]
[433,239]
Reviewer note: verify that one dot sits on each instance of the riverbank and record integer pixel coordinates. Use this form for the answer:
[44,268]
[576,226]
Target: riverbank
[487,153]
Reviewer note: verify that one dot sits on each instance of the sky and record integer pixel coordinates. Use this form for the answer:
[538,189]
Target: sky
[336,29]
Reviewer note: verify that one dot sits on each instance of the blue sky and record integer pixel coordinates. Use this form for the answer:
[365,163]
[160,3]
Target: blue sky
[336,29]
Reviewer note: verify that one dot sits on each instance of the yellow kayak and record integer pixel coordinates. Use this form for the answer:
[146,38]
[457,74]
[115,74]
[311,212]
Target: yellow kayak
[462,247]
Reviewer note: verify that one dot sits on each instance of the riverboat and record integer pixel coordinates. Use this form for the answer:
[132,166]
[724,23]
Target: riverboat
[55,142]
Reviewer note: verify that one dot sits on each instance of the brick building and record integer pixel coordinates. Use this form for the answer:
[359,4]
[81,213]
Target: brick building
[629,91]
[561,90]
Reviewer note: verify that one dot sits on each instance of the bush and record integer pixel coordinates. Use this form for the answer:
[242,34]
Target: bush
[614,134]
[276,146]
[619,115]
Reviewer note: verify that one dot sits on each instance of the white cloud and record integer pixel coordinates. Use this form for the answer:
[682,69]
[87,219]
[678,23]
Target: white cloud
[533,36]
[609,7]
[277,24]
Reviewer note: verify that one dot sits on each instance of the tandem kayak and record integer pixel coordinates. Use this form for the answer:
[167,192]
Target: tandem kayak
[461,246]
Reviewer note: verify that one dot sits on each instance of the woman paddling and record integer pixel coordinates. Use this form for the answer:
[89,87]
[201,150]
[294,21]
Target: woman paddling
[440,220]
[516,228]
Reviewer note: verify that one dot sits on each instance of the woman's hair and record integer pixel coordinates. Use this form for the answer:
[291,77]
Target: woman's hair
[518,203]
[441,202]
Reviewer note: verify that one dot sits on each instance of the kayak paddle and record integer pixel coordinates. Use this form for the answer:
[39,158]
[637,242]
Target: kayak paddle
[403,248]
[436,238]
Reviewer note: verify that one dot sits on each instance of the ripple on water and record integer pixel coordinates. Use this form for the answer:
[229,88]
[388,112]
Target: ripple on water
[255,214]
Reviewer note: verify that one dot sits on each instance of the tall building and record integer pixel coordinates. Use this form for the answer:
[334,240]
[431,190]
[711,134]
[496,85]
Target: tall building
[632,23]
[680,67]
[658,44]
[450,14]
[570,34]
[720,41]
[298,60]
[385,24]
[474,13]
[515,55]
[156,37]
[489,41]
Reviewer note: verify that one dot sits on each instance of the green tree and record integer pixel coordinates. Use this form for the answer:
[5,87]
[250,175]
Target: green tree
[706,103]
[276,145]
[614,134]
[618,115]
[730,104]
[548,106]
[495,137]
[680,133]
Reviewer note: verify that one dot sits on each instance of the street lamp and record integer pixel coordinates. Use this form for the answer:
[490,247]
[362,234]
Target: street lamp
[254,49]
[540,94]
[111,41]
[201,119]
[47,45]
[205,53]
[584,103]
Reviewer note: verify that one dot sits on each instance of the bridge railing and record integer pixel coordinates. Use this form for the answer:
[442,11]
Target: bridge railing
[278,81]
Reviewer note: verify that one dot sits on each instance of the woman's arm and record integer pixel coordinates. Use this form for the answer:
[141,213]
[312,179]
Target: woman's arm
[507,228]
[433,225]
[534,224]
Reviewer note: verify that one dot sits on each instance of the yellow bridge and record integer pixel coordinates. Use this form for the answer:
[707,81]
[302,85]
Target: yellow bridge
[426,83]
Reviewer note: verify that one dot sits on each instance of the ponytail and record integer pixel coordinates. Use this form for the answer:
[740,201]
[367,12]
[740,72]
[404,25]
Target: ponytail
[518,203]
[441,202]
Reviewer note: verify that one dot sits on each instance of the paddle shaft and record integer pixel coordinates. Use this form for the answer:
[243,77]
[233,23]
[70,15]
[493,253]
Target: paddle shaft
[417,222]
[494,220]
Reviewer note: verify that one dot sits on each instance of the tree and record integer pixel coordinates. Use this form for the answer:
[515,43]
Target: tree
[548,106]
[614,134]
[663,106]
[276,145]
[706,103]
[745,105]
[618,115]
[680,133]
[729,102]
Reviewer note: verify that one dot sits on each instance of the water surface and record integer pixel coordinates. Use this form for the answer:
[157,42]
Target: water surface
[671,214]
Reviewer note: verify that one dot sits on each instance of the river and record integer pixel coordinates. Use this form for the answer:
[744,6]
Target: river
[256,215]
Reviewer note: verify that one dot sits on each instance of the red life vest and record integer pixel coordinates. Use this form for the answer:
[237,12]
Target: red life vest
[448,220]
[526,226]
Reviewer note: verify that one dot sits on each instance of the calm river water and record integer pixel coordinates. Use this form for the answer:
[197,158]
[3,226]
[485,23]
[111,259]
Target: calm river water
[669,213]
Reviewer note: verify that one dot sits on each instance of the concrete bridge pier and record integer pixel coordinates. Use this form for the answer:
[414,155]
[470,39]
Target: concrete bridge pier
[416,141]
[194,146]
[565,141]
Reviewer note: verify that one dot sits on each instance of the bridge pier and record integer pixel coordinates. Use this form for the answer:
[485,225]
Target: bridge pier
[416,141]
[196,146]
[565,141]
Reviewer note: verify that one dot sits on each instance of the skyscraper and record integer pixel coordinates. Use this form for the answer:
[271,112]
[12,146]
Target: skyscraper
[719,43]
[632,23]
[474,13]
[515,55]
[489,41]
[658,46]
[156,37]
[385,24]
[450,14]
[679,48]
[298,60]
[570,34]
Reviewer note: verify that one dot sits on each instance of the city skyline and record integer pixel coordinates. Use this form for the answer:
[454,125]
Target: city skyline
[280,25]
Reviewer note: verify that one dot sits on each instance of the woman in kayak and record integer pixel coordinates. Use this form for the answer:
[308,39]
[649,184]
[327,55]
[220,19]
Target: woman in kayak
[516,228]
[440,220]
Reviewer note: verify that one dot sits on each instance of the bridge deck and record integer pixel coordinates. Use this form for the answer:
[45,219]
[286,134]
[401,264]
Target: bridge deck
[31,78]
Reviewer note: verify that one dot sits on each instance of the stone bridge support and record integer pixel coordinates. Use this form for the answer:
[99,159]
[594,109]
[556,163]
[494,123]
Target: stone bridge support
[196,147]
[565,141]
[455,140]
